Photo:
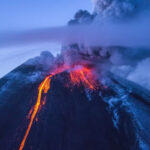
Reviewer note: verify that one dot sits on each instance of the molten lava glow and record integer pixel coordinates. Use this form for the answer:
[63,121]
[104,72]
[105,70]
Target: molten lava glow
[44,87]
[78,75]
[83,75]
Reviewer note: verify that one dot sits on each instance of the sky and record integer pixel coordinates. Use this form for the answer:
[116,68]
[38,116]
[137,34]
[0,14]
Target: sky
[26,15]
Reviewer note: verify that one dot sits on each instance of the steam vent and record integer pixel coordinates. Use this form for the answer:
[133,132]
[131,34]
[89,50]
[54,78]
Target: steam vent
[67,110]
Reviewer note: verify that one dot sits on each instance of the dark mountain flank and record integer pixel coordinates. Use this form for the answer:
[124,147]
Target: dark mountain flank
[115,116]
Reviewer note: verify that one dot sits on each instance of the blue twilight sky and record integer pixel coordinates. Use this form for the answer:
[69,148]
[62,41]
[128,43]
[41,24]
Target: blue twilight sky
[32,14]
[27,14]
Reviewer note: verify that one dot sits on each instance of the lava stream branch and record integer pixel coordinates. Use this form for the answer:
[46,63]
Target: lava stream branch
[44,87]
[83,75]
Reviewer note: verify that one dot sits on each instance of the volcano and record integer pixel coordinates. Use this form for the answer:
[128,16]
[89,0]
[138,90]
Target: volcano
[68,110]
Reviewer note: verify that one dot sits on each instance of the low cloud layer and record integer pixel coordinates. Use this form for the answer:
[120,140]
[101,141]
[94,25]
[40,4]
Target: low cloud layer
[133,34]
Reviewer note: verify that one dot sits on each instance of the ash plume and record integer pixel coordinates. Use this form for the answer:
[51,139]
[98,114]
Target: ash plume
[119,9]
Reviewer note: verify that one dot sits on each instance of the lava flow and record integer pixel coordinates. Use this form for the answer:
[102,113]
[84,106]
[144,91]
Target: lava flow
[83,75]
[44,87]
[78,74]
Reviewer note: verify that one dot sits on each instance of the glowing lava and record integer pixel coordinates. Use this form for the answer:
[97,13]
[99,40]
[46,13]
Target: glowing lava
[83,75]
[78,75]
[44,87]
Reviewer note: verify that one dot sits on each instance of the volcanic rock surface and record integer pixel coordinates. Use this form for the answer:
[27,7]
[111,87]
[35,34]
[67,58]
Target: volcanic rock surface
[113,117]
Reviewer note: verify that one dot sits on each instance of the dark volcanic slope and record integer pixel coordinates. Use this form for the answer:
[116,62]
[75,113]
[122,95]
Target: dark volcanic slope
[73,118]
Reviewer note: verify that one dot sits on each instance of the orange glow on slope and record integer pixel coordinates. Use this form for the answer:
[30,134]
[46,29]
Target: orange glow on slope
[44,87]
[83,75]
[78,75]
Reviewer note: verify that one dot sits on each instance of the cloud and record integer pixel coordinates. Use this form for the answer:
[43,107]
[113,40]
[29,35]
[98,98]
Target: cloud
[119,8]
[141,74]
[133,34]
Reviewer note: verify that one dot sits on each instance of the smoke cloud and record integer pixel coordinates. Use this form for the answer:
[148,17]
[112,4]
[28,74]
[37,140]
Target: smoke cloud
[141,74]
[119,8]
[133,34]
